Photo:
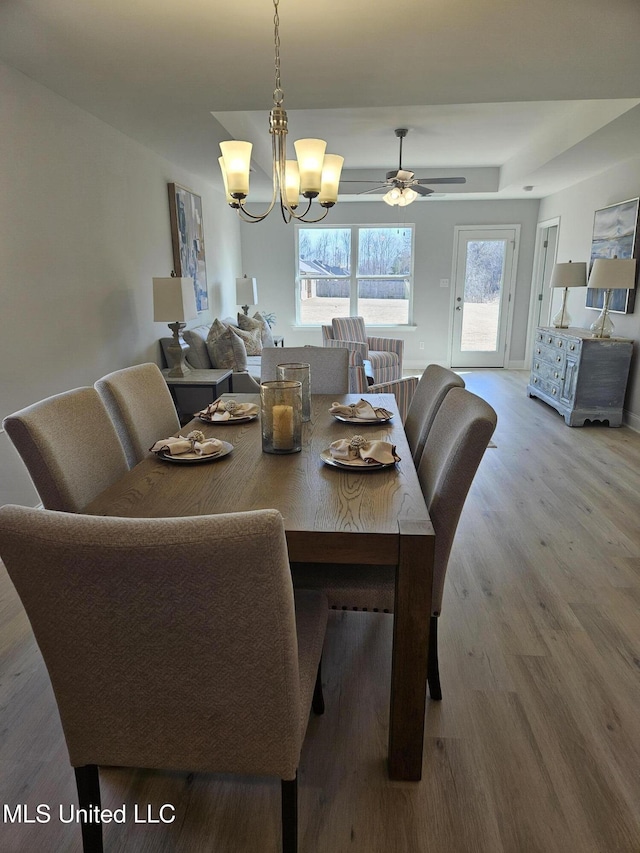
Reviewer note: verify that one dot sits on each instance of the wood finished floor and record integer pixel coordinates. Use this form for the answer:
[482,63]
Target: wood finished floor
[536,744]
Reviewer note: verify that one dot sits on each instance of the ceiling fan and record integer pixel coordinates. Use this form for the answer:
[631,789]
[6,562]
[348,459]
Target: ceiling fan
[402,185]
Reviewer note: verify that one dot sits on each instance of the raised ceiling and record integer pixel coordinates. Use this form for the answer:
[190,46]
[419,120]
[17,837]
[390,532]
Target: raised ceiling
[509,94]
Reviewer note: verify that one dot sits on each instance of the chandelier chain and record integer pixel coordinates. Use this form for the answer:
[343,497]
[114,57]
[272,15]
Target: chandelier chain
[278,94]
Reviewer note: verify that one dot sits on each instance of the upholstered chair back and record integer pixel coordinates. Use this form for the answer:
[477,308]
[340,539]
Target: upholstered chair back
[70,447]
[329,368]
[455,445]
[141,408]
[434,385]
[349,329]
[170,643]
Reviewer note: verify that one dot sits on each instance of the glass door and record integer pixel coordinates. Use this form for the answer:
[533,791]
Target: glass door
[484,272]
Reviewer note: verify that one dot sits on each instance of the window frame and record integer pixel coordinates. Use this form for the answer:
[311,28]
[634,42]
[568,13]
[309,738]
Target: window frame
[353,278]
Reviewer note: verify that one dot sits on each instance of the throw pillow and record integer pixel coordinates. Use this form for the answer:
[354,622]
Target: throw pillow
[267,335]
[252,339]
[226,349]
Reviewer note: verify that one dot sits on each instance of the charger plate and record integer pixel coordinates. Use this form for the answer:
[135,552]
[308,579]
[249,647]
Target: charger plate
[364,421]
[194,458]
[353,464]
[239,420]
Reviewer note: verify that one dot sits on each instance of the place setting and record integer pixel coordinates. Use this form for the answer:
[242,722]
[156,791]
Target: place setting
[228,412]
[361,412]
[191,449]
[359,453]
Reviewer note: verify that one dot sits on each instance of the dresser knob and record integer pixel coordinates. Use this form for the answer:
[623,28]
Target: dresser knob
[558,358]
[549,340]
[535,380]
[538,351]
[572,347]
[559,343]
[553,391]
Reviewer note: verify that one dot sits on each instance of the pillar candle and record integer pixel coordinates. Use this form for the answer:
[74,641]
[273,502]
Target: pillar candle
[283,427]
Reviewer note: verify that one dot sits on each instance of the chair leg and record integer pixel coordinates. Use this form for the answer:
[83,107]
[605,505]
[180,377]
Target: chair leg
[290,815]
[88,785]
[317,703]
[433,673]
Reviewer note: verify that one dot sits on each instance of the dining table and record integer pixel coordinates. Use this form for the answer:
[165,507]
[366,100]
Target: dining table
[359,516]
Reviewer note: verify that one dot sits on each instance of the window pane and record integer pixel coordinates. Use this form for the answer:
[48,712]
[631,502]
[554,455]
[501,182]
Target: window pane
[383,301]
[483,279]
[324,251]
[384,251]
[323,299]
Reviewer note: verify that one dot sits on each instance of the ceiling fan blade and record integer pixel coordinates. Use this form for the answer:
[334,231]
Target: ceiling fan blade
[421,190]
[441,180]
[373,190]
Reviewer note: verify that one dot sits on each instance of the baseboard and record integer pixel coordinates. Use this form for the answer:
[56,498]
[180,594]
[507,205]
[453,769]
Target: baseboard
[516,365]
[630,420]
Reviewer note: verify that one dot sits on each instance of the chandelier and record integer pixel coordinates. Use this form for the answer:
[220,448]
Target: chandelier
[401,197]
[313,174]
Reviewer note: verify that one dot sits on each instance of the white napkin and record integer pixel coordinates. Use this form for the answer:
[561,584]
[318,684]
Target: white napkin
[370,451]
[363,410]
[177,446]
[224,410]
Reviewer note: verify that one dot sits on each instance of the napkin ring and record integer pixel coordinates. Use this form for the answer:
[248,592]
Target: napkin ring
[230,406]
[357,441]
[194,436]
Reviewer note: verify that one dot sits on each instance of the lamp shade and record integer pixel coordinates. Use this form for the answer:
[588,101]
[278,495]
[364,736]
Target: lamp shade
[330,178]
[569,275]
[236,162]
[174,300]
[246,291]
[310,155]
[613,274]
[292,182]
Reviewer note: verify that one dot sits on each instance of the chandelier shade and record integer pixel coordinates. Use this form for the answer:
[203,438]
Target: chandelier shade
[314,174]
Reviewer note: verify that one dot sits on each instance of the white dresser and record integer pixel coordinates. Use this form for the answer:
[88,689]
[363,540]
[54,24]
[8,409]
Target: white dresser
[583,378]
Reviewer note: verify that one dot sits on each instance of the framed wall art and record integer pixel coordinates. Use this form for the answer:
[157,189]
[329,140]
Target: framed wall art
[187,236]
[615,234]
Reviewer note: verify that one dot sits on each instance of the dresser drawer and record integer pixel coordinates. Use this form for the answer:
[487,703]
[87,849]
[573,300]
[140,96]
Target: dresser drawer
[545,385]
[547,370]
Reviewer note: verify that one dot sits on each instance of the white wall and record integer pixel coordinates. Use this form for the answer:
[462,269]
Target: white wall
[576,207]
[85,227]
[268,254]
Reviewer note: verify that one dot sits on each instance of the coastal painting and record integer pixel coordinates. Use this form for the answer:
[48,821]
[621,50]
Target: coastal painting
[187,236]
[615,235]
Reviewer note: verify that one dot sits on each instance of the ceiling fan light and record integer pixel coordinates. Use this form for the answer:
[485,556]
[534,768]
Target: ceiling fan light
[236,158]
[402,201]
[331,171]
[410,195]
[390,198]
[310,154]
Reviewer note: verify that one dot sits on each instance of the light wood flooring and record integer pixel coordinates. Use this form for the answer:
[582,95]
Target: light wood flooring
[536,744]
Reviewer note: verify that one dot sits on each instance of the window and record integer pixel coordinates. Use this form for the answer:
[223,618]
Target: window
[353,270]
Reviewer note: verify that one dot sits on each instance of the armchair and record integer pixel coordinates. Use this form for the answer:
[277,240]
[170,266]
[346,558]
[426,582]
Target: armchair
[384,354]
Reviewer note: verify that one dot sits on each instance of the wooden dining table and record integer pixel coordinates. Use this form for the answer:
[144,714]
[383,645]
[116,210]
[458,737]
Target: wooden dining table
[331,515]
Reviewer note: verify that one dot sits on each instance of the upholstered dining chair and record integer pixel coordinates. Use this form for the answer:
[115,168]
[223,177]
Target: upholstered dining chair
[384,354]
[434,385]
[69,446]
[171,643]
[329,367]
[141,408]
[455,445]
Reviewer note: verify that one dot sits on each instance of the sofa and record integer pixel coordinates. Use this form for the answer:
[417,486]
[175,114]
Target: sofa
[246,381]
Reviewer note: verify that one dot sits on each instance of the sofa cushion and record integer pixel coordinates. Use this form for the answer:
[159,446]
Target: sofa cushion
[198,355]
[252,337]
[226,349]
[267,334]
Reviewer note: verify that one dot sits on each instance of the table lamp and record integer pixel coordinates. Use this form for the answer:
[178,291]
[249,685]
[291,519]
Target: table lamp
[174,299]
[566,276]
[246,293]
[610,274]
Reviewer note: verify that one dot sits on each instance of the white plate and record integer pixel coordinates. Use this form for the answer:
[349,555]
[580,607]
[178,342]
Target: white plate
[194,458]
[364,421]
[360,464]
[239,420]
